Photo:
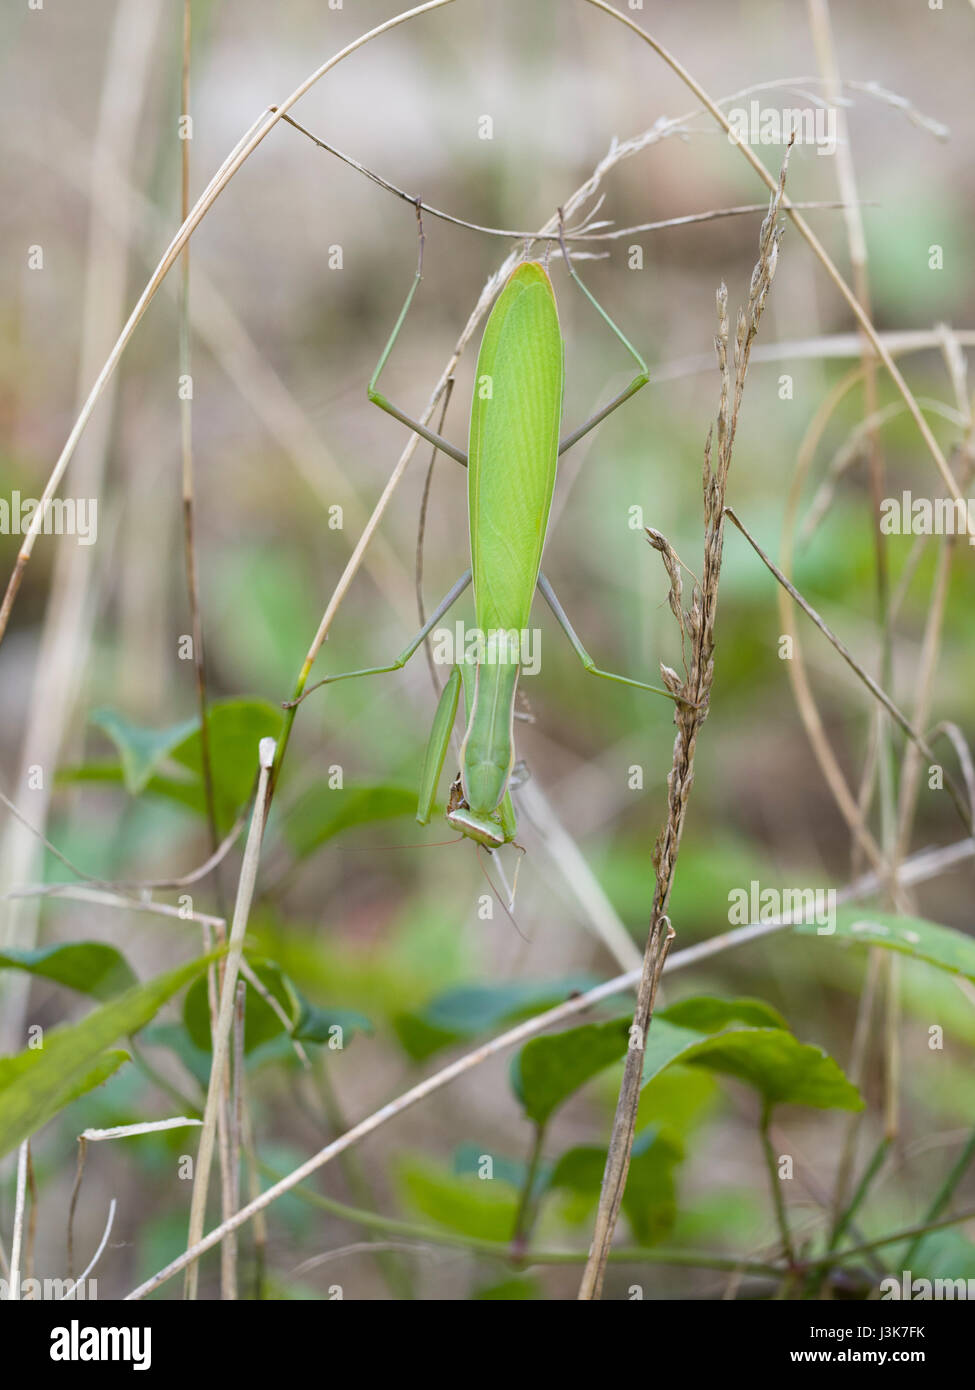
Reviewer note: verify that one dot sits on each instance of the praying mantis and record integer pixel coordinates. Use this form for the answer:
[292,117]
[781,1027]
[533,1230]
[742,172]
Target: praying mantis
[511,462]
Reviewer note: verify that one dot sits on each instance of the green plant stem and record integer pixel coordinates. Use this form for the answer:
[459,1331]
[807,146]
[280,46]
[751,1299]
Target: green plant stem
[527,1207]
[778,1201]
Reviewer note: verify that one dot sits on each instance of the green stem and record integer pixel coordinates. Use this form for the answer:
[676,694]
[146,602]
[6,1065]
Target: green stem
[778,1201]
[527,1207]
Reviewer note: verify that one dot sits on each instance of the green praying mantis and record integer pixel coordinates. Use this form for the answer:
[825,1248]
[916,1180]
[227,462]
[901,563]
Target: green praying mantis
[511,462]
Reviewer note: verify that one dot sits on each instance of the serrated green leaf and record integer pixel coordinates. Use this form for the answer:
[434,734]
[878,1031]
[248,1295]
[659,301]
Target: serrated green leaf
[87,966]
[942,946]
[548,1070]
[36,1083]
[782,1069]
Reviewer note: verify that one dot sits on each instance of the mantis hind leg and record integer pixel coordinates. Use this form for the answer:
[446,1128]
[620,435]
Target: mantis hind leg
[549,595]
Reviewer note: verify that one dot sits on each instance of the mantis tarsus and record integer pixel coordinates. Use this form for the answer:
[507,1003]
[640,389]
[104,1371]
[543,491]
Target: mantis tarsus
[516,415]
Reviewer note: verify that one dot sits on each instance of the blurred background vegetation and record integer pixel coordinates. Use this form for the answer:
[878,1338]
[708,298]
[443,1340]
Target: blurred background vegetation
[381,918]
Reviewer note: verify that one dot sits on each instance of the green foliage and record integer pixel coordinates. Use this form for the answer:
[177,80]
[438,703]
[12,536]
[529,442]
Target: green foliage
[944,947]
[324,812]
[481,1208]
[307,1022]
[37,1083]
[650,1198]
[141,750]
[678,1099]
[87,966]
[168,763]
[261,1023]
[548,1070]
[710,1015]
[778,1066]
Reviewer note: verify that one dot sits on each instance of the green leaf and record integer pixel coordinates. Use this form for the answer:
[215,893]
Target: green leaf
[710,1015]
[324,812]
[678,1099]
[235,727]
[782,1069]
[482,1208]
[261,1023]
[87,966]
[649,1201]
[469,1010]
[37,1083]
[549,1069]
[141,750]
[944,947]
